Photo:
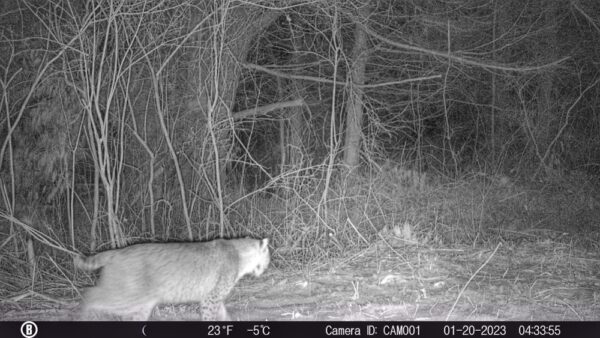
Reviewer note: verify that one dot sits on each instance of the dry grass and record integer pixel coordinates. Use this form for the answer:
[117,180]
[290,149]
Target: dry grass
[435,241]
[393,280]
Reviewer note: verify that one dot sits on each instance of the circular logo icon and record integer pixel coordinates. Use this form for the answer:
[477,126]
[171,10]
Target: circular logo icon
[29,329]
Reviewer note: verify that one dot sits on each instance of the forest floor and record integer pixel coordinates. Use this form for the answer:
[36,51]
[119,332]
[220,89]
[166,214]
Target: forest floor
[536,279]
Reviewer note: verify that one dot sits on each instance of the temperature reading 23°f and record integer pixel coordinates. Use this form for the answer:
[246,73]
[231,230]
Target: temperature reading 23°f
[220,330]
[260,330]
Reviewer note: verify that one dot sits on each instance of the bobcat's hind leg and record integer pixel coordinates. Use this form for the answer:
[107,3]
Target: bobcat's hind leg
[214,311]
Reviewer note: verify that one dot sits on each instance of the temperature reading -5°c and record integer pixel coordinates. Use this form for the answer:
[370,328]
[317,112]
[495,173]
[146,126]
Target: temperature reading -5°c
[260,330]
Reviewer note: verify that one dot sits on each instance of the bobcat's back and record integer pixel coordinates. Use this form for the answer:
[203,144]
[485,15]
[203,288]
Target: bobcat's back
[137,278]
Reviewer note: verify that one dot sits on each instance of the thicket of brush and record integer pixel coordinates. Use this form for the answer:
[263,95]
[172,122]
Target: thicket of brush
[127,121]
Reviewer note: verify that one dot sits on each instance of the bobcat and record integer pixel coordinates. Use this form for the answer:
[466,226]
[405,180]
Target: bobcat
[137,278]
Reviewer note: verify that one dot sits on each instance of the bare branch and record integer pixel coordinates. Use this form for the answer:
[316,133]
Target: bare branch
[337,83]
[461,59]
[267,109]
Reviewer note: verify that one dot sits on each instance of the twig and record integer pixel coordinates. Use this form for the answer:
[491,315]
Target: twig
[470,279]
[562,128]
[40,236]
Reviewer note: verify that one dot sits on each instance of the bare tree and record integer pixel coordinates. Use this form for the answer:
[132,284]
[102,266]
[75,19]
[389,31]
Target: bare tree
[355,105]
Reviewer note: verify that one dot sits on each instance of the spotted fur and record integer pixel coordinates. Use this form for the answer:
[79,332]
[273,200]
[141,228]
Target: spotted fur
[135,279]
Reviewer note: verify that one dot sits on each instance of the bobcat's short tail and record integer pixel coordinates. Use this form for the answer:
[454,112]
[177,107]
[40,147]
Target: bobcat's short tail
[92,262]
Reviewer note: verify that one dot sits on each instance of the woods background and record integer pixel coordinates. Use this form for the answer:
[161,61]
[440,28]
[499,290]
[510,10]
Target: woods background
[324,125]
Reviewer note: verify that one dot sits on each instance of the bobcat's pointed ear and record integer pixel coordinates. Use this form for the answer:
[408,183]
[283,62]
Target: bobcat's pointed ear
[264,243]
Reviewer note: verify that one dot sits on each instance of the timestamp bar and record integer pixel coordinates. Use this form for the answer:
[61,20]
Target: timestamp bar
[31,329]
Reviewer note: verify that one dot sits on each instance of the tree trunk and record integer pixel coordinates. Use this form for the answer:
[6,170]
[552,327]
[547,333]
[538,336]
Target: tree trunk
[546,112]
[297,126]
[354,108]
[223,41]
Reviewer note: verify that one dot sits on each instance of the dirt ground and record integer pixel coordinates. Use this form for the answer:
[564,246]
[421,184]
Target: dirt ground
[391,281]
